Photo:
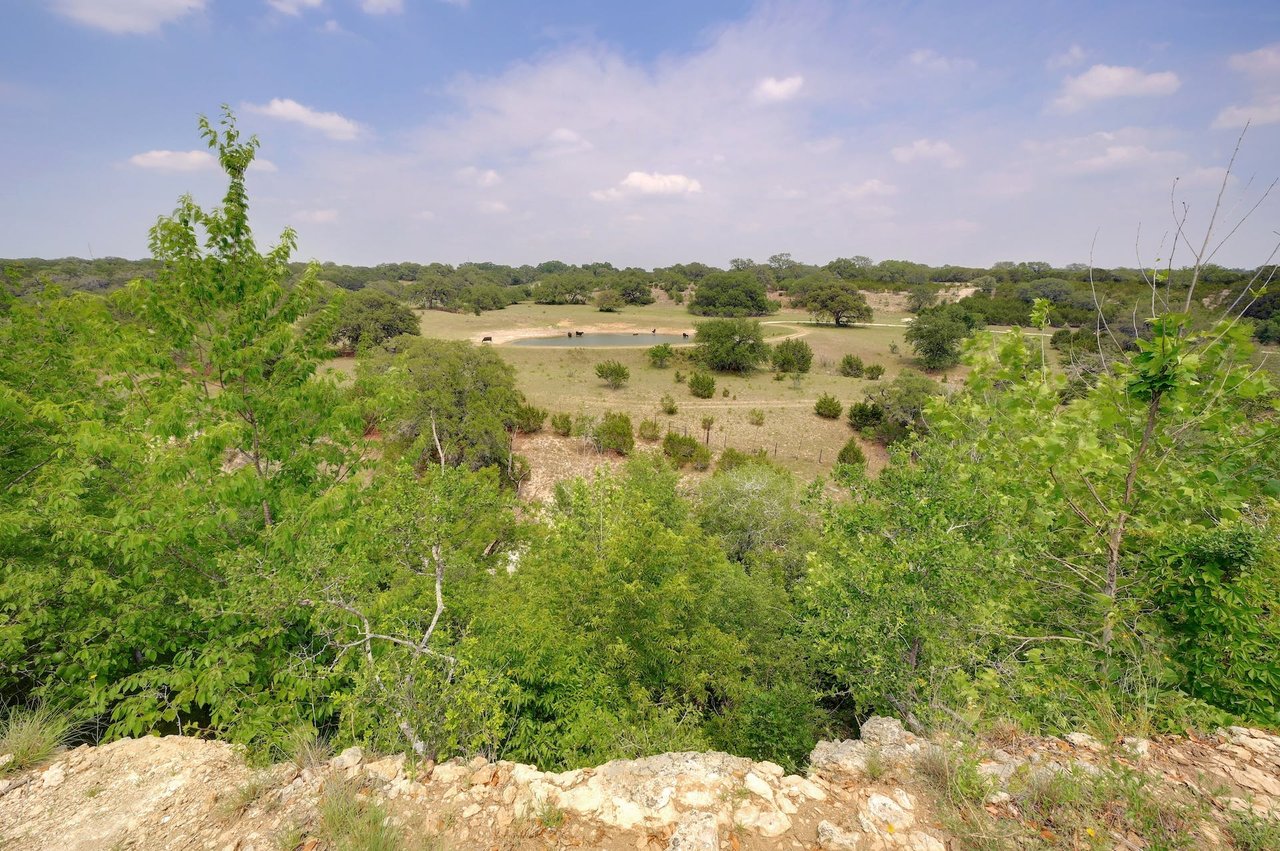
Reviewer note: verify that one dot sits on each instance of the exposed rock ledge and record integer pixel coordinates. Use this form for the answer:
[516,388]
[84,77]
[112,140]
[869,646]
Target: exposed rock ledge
[173,792]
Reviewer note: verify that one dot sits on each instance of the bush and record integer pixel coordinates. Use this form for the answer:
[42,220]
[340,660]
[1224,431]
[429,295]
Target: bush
[755,416]
[702,458]
[615,434]
[529,419]
[827,406]
[730,345]
[613,373]
[610,301]
[562,424]
[702,385]
[874,371]
[649,429]
[792,356]
[732,459]
[851,366]
[679,376]
[668,405]
[851,454]
[730,294]
[865,415]
[661,355]
[680,448]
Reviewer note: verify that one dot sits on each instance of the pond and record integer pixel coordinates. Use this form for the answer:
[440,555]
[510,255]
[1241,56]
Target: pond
[590,340]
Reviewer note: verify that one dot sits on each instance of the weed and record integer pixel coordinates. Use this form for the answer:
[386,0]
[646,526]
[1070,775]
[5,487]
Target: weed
[351,821]
[550,816]
[32,734]
[954,775]
[242,798]
[1252,832]
[755,416]
[306,749]
[876,767]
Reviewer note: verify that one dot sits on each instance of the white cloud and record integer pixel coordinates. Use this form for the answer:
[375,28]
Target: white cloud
[494,208]
[294,7]
[316,217]
[1262,112]
[331,124]
[382,7]
[483,178]
[873,188]
[774,90]
[127,16]
[931,60]
[650,183]
[1126,156]
[562,141]
[1103,82]
[928,150]
[1263,62]
[263,165]
[174,160]
[1068,58]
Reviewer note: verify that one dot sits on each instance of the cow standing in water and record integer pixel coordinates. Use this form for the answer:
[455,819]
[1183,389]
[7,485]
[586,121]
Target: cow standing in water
[684,334]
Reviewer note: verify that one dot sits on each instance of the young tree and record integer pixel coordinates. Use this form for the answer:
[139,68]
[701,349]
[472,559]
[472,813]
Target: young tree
[793,355]
[371,317]
[610,301]
[660,355]
[935,337]
[730,294]
[730,345]
[702,385]
[612,372]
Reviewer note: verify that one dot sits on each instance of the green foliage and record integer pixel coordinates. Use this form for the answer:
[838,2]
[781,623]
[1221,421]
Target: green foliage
[901,405]
[680,448]
[921,297]
[562,424]
[701,458]
[439,397]
[732,459]
[793,355]
[371,317]
[863,415]
[851,454]
[660,355]
[702,385]
[828,407]
[730,345]
[668,405]
[350,820]
[610,301]
[32,735]
[612,372]
[935,336]
[874,371]
[730,294]
[649,429]
[615,433]
[840,302]
[529,418]
[755,416]
[1252,832]
[851,366]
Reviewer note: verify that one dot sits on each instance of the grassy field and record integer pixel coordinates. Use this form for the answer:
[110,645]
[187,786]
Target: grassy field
[563,379]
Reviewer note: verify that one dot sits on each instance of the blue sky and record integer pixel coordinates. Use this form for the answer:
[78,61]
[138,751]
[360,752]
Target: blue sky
[648,133]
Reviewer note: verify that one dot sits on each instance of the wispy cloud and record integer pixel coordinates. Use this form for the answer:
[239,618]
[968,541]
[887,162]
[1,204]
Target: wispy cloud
[773,89]
[1068,58]
[161,160]
[484,178]
[928,150]
[1262,67]
[317,217]
[331,124]
[127,17]
[932,61]
[294,7]
[1104,82]
[650,183]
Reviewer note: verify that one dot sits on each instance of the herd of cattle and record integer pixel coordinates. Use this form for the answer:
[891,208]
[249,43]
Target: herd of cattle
[572,334]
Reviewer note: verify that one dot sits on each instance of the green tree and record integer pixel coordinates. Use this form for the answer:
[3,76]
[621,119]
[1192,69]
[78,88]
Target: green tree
[840,302]
[851,366]
[660,355]
[610,301]
[935,337]
[730,294]
[372,317]
[828,407]
[730,345]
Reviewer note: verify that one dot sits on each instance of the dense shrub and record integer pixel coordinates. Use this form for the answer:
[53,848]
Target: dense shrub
[529,418]
[730,345]
[851,366]
[680,448]
[702,385]
[827,406]
[371,317]
[851,454]
[668,405]
[865,415]
[732,459]
[755,416]
[701,459]
[649,429]
[660,355]
[874,371]
[562,424]
[792,356]
[730,294]
[614,433]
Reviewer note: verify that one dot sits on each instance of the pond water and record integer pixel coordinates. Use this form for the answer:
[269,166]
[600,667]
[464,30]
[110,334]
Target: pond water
[615,340]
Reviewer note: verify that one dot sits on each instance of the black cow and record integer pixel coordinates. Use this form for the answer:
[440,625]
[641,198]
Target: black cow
[684,334]
[486,339]
[577,333]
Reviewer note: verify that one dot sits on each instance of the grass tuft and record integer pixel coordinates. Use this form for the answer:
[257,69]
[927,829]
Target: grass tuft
[32,735]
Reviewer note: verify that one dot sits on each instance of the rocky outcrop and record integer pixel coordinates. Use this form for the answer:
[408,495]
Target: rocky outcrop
[171,793]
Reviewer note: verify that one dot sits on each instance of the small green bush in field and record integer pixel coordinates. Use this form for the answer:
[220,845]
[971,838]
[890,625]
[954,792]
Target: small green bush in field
[562,424]
[702,385]
[680,448]
[828,406]
[529,419]
[851,366]
[612,372]
[649,429]
[874,371]
[615,433]
[668,405]
[851,454]
[702,458]
[755,416]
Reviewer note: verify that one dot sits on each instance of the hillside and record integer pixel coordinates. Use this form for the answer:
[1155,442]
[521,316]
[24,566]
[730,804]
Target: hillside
[887,790]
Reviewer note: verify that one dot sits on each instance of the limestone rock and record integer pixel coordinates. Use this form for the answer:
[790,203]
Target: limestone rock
[350,758]
[1084,741]
[883,732]
[832,837]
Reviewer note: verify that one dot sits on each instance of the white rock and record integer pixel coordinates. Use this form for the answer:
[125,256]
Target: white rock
[387,768]
[1083,740]
[5,759]
[804,786]
[883,812]
[884,732]
[757,786]
[769,769]
[1140,748]
[53,776]
[903,799]
[349,758]
[835,838]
